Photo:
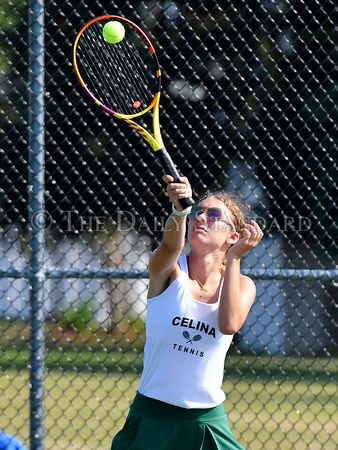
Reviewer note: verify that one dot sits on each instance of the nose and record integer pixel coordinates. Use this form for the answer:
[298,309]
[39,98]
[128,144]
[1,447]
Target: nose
[202,216]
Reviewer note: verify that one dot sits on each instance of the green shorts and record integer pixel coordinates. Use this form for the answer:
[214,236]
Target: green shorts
[154,425]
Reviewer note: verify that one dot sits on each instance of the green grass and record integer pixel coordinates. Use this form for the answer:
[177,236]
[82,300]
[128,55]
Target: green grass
[271,403]
[249,367]
[283,416]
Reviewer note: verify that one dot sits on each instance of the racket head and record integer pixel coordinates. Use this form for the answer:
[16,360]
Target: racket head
[122,78]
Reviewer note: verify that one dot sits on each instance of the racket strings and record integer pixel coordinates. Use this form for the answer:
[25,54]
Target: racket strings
[137,82]
[98,72]
[140,80]
[95,66]
[121,76]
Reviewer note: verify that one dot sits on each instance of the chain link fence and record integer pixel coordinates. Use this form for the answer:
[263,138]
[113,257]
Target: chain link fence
[249,105]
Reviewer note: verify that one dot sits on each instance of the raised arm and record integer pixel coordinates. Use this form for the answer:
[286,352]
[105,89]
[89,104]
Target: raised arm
[163,267]
[238,291]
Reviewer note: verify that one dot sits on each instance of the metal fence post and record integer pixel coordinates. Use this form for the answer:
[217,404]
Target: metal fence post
[36,130]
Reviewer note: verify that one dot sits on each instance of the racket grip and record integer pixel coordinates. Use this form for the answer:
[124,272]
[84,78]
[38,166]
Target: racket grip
[170,169]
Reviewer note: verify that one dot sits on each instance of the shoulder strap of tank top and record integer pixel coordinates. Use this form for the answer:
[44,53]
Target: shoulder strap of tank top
[182,261]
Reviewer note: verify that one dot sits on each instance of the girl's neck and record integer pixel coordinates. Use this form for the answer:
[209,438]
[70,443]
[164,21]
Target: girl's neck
[204,268]
[205,279]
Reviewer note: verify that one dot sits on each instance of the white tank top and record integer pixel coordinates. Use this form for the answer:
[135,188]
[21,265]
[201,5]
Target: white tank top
[185,352]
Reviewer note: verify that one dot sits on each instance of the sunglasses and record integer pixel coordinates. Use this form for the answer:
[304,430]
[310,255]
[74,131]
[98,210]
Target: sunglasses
[212,214]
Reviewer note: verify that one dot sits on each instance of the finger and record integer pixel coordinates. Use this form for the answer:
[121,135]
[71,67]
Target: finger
[245,232]
[184,180]
[178,188]
[258,228]
[168,178]
[256,233]
[253,227]
[177,191]
[249,228]
[251,234]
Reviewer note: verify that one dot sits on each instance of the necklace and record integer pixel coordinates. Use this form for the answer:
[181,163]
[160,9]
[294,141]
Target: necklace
[201,285]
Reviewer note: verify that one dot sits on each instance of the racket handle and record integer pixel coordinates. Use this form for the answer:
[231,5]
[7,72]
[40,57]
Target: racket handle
[170,169]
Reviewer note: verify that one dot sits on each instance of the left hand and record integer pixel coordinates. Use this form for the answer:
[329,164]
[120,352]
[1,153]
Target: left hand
[251,235]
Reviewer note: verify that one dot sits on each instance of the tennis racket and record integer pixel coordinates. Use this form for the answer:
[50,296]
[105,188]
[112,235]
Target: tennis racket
[124,79]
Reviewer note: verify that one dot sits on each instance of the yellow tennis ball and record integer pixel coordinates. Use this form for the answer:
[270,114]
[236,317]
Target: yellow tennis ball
[113,32]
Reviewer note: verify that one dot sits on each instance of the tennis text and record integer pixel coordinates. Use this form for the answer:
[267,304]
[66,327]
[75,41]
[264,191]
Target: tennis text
[189,351]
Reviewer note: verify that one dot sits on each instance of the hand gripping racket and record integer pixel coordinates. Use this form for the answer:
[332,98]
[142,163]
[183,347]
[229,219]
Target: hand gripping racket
[124,79]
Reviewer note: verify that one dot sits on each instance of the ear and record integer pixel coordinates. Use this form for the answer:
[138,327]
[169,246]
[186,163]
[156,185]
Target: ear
[233,238]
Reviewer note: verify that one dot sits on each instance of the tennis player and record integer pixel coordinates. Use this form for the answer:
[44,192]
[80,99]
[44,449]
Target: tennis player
[195,305]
